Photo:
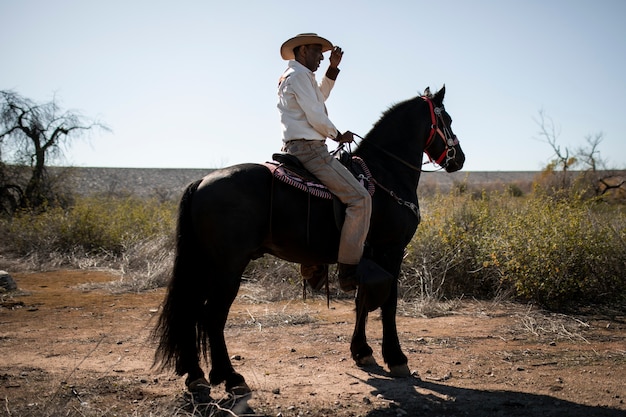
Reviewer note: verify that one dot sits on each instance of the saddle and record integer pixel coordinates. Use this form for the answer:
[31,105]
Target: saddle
[289,170]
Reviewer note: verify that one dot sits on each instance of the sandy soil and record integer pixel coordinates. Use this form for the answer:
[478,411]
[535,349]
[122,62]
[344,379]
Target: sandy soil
[69,350]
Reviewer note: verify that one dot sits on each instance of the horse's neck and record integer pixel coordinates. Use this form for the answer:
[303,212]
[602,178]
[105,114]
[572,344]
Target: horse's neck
[394,152]
[403,180]
[389,171]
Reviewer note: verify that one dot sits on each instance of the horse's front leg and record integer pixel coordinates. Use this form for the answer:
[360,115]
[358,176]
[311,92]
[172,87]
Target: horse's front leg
[361,351]
[392,353]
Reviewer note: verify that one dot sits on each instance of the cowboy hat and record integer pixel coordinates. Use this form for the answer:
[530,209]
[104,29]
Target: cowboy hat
[286,50]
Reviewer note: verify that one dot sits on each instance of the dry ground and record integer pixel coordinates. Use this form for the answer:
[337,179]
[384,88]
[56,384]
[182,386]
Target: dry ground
[66,349]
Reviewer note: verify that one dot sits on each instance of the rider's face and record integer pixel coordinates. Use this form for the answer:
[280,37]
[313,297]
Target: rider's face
[312,56]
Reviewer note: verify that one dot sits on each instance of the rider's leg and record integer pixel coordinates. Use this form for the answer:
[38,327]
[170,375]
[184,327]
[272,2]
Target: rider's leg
[315,157]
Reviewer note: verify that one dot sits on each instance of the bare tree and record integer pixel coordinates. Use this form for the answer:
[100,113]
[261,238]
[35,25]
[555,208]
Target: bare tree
[563,162]
[590,155]
[593,173]
[596,173]
[31,135]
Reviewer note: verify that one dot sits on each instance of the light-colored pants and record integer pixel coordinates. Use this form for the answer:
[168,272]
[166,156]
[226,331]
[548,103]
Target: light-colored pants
[315,157]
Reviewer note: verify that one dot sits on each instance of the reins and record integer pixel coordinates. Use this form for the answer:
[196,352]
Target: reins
[411,206]
[391,154]
[396,157]
[448,138]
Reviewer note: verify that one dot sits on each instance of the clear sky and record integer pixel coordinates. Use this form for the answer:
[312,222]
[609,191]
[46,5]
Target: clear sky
[192,83]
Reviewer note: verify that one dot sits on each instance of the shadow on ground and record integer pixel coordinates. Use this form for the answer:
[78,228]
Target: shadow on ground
[416,397]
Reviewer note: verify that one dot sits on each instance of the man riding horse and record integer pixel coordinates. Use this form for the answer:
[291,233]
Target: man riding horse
[239,213]
[305,128]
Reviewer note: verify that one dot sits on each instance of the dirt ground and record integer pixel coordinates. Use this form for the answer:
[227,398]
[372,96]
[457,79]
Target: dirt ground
[68,349]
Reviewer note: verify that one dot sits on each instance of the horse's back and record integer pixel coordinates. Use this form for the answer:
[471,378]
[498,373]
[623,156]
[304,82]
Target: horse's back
[243,206]
[234,189]
[236,176]
[231,207]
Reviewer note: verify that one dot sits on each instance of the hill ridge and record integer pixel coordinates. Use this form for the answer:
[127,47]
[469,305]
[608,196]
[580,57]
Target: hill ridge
[170,182]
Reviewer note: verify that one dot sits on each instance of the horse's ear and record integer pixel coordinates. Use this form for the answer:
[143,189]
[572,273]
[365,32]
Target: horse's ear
[427,92]
[438,98]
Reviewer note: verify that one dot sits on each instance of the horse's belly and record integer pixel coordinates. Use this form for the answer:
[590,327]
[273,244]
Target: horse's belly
[303,229]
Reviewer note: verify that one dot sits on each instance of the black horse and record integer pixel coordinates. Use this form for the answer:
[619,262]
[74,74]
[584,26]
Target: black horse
[237,214]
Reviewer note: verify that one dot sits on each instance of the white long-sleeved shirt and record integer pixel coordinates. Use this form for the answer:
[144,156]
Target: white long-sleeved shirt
[301,105]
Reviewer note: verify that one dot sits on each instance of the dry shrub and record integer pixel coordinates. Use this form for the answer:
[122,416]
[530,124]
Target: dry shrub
[558,252]
[554,251]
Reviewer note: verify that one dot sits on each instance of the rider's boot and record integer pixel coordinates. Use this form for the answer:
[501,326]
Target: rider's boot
[348,279]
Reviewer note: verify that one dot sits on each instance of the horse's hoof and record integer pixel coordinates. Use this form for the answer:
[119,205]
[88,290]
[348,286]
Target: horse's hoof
[200,384]
[400,371]
[366,361]
[200,390]
[240,390]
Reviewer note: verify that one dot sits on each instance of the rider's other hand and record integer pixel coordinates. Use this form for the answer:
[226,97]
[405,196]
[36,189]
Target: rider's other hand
[346,137]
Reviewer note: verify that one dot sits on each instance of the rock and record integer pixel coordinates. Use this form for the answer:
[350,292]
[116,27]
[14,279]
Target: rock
[7,282]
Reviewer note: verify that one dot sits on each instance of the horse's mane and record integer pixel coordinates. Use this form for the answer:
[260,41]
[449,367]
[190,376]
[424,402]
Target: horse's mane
[387,114]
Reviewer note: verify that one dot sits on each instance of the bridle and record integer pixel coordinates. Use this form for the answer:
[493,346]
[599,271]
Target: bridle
[450,140]
[444,133]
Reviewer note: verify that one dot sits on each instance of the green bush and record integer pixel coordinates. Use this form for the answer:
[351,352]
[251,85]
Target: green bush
[93,225]
[444,257]
[553,251]
[561,252]
[558,252]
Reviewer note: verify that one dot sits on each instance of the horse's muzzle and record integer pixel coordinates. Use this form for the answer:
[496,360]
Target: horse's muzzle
[456,163]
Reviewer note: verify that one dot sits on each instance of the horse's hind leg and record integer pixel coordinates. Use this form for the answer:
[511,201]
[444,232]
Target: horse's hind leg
[215,316]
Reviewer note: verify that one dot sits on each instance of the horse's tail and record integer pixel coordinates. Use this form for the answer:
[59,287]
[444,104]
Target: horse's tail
[175,331]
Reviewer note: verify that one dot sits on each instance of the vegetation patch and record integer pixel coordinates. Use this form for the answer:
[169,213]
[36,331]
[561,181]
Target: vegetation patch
[552,251]
[557,251]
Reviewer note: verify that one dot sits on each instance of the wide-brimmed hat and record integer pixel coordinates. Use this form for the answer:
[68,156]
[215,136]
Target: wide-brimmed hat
[286,49]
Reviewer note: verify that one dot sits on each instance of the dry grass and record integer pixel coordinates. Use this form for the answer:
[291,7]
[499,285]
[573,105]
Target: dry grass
[426,307]
[552,326]
[278,318]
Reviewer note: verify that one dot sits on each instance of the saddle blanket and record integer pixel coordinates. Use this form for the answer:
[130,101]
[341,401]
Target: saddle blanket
[312,186]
